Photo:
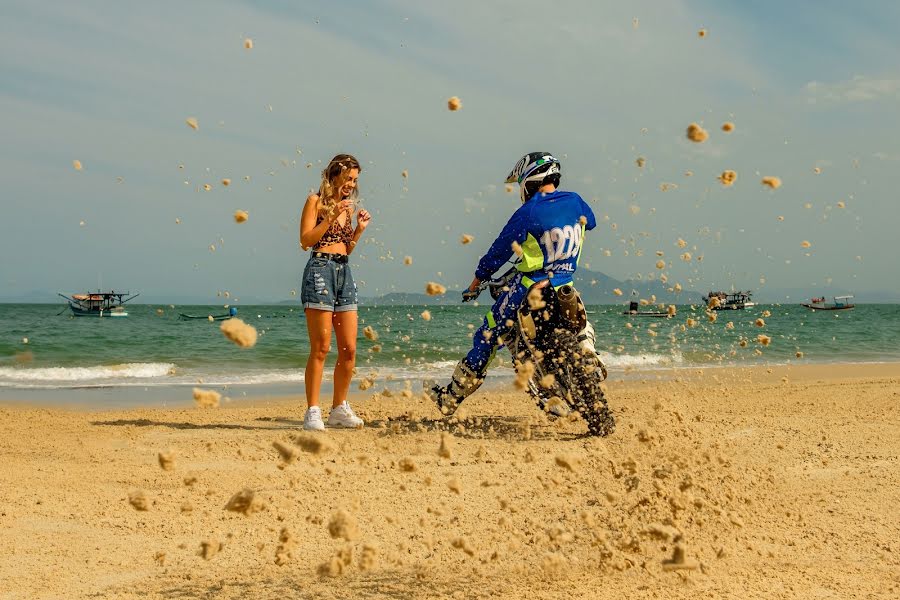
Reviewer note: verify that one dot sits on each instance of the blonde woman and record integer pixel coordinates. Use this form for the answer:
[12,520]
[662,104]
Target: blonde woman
[328,291]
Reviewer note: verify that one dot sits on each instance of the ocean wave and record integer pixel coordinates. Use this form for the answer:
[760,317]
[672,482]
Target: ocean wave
[77,375]
[168,374]
[640,360]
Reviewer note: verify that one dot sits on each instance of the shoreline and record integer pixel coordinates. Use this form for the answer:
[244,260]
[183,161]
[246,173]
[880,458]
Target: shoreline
[179,396]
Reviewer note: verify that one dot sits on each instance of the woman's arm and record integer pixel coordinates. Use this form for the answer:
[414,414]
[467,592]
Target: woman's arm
[310,233]
[362,221]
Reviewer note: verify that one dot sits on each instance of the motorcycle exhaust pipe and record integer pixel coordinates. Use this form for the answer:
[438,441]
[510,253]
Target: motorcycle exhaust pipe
[571,307]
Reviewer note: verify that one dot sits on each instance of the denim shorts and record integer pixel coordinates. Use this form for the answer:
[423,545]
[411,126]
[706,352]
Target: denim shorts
[328,285]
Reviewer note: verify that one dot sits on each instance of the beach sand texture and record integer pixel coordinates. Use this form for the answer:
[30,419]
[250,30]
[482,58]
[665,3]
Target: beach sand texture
[779,483]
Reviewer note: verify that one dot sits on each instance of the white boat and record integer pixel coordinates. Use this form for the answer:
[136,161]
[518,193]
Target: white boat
[840,303]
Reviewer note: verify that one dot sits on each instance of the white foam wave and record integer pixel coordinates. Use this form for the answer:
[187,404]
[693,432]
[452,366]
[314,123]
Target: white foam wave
[75,375]
[640,360]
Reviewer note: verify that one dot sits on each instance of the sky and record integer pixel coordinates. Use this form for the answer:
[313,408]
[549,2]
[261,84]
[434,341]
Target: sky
[811,87]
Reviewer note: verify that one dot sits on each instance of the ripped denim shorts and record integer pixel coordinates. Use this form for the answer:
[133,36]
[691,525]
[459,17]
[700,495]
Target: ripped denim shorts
[328,284]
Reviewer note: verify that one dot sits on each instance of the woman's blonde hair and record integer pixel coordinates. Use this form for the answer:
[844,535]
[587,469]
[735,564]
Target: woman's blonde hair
[338,165]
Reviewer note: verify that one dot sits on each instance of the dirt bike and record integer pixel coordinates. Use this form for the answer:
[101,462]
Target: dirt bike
[543,341]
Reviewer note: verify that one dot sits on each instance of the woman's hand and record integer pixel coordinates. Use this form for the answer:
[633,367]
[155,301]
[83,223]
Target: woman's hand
[344,206]
[362,220]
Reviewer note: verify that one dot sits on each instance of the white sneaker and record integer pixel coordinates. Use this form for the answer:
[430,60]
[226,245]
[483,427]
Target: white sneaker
[313,419]
[342,416]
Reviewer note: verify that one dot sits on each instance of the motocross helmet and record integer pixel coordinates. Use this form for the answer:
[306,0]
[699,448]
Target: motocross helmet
[531,171]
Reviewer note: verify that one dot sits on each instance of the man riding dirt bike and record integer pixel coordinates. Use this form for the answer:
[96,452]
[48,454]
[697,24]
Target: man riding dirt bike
[546,233]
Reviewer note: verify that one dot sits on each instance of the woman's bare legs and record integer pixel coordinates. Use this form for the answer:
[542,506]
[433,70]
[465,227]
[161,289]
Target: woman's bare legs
[318,325]
[345,331]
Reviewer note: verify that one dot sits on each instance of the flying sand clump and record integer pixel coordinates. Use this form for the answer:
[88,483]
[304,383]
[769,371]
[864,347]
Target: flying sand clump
[240,333]
[454,104]
[728,178]
[207,398]
[435,289]
[697,134]
[240,216]
[771,181]
[192,123]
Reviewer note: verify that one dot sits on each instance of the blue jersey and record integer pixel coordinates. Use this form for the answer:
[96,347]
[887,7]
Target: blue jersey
[550,229]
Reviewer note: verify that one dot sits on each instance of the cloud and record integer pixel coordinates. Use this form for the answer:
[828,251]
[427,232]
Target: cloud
[859,89]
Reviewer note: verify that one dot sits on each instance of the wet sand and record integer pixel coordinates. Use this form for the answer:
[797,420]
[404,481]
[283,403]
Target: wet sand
[725,483]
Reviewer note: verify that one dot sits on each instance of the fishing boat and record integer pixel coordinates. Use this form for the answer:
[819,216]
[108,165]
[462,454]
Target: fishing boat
[633,311]
[840,303]
[99,304]
[231,313]
[729,300]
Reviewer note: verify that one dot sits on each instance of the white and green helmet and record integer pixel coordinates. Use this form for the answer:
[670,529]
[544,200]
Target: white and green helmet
[532,169]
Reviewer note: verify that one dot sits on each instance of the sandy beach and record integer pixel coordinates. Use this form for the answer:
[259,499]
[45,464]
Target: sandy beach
[721,483]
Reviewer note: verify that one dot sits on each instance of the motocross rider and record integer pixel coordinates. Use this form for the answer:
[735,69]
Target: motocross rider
[547,231]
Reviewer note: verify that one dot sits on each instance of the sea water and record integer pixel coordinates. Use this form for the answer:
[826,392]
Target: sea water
[153,348]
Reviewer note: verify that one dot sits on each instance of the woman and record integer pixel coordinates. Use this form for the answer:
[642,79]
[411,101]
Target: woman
[328,291]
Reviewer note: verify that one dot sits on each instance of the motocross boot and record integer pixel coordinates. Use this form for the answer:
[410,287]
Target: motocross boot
[463,384]
[586,340]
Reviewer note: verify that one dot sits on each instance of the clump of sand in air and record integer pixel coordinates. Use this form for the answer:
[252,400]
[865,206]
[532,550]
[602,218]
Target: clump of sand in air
[435,289]
[370,333]
[617,292]
[426,315]
[660,264]
[339,562]
[138,500]
[288,453]
[817,170]
[759,323]
[226,182]
[343,525]
[407,465]
[697,134]
[454,104]
[679,560]
[405,174]
[76,164]
[569,462]
[407,260]
[466,239]
[701,33]
[728,177]
[166,460]
[524,371]
[763,339]
[245,502]
[209,548]
[727,126]
[640,162]
[313,444]
[462,543]
[805,244]
[192,123]
[444,450]
[368,558]
[240,216]
[207,398]
[771,181]
[240,333]
[286,544]
[248,44]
